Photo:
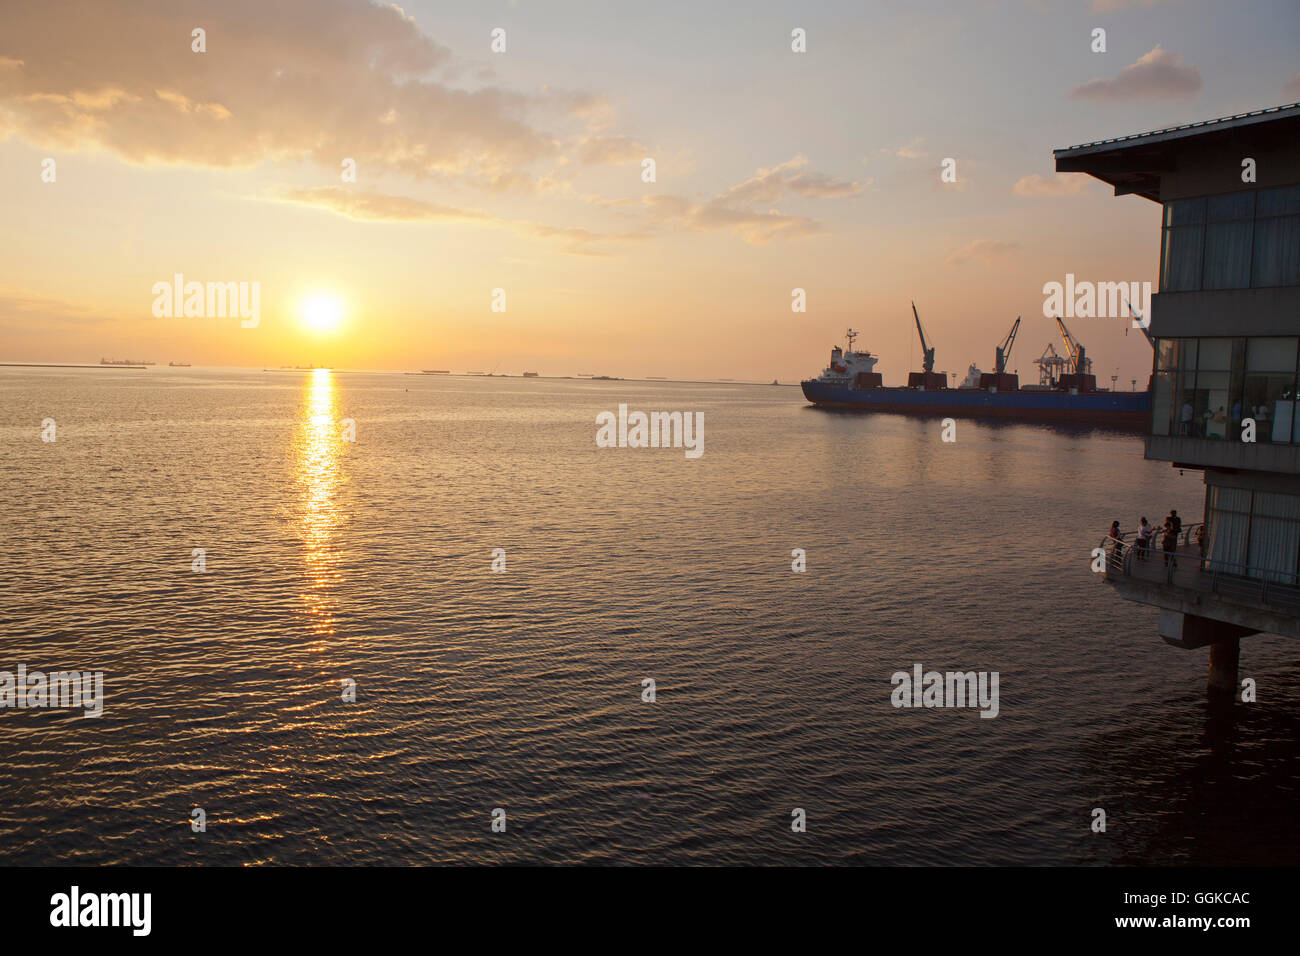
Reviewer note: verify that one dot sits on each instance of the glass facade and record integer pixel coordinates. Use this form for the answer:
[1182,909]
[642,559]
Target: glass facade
[1206,388]
[1253,533]
[1245,240]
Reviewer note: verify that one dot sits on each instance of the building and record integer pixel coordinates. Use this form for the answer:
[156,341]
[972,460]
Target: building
[1225,324]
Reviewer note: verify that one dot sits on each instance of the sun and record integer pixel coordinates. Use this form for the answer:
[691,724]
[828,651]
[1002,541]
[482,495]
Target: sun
[322,313]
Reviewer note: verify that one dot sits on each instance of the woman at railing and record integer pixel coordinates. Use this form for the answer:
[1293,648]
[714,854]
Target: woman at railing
[1143,539]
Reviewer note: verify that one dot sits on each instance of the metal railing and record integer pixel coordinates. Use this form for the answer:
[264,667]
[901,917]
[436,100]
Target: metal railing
[1187,567]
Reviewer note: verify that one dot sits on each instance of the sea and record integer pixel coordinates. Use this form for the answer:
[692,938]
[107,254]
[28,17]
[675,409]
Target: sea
[358,618]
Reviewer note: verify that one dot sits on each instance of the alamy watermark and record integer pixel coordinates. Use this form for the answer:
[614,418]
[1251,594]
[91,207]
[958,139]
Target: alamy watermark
[651,430]
[1098,300]
[946,689]
[36,689]
[211,300]
[75,908]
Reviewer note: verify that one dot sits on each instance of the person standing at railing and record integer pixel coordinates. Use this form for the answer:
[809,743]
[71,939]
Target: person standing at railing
[1170,540]
[1143,539]
[1116,544]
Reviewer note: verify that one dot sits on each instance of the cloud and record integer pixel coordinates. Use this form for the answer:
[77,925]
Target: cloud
[910,150]
[611,150]
[1292,88]
[734,210]
[769,185]
[987,251]
[316,80]
[1158,74]
[1056,185]
[363,206]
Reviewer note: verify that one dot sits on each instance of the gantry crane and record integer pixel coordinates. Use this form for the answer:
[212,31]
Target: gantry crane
[1050,366]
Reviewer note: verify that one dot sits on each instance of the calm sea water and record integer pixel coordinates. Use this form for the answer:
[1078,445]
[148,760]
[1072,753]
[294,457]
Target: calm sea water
[328,560]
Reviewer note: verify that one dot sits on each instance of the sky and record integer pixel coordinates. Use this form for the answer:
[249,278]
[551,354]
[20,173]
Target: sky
[523,170]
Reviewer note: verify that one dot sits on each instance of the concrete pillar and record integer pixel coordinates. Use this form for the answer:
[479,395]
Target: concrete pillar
[1224,656]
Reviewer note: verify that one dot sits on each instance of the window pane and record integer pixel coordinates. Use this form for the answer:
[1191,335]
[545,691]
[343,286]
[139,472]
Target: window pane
[1235,388]
[1284,201]
[1269,399]
[1274,537]
[1232,206]
[1166,354]
[1182,212]
[1184,403]
[1228,520]
[1227,255]
[1182,265]
[1162,404]
[1217,354]
[1212,394]
[1269,354]
[1275,259]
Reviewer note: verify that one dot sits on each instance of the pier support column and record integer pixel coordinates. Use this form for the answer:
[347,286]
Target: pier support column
[1224,656]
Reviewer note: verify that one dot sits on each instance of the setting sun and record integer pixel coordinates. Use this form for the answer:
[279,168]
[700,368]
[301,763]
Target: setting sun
[322,313]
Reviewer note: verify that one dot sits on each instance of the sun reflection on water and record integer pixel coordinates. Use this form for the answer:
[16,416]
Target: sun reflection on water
[320,450]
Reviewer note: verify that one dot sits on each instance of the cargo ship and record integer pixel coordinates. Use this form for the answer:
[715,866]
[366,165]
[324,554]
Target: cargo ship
[1066,394]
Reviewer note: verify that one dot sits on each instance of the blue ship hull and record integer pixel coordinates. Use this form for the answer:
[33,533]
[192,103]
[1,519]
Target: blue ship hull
[1131,410]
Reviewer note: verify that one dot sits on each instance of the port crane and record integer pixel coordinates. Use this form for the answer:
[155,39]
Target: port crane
[1078,363]
[1144,325]
[927,352]
[1004,350]
[1051,366]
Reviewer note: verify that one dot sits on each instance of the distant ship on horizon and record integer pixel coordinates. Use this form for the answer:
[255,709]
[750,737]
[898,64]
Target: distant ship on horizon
[105,361]
[178,364]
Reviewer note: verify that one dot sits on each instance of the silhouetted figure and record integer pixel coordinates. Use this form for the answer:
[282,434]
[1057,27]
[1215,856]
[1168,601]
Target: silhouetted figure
[1143,539]
[1170,540]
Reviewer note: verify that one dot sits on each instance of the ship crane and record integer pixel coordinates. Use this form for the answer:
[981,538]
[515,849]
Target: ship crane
[1004,350]
[1144,325]
[927,352]
[1079,364]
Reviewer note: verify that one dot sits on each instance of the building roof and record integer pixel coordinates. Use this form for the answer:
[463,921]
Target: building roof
[1133,164]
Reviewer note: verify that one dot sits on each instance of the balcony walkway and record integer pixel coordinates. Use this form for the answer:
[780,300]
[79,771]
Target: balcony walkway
[1191,585]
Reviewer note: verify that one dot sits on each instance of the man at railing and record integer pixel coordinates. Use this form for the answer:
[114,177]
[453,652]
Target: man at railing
[1173,525]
